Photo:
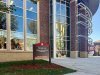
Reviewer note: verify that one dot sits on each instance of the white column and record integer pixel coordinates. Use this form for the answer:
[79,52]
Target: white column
[38,22]
[54,27]
[8,23]
[24,24]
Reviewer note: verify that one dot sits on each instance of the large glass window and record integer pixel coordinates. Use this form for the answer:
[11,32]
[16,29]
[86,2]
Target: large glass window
[17,37]
[3,30]
[62,22]
[17,29]
[31,23]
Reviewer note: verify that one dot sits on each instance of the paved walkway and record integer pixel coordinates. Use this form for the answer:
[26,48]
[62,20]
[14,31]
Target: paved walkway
[84,66]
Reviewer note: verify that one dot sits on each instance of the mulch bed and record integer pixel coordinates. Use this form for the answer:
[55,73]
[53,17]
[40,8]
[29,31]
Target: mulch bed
[38,66]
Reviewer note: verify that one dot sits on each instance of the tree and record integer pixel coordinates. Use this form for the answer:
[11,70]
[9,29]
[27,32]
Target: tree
[4,8]
[14,23]
[2,21]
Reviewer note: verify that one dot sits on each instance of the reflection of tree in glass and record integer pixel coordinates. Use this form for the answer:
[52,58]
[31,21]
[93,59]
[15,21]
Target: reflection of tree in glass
[2,21]
[14,24]
[33,27]
[58,27]
[4,8]
[60,36]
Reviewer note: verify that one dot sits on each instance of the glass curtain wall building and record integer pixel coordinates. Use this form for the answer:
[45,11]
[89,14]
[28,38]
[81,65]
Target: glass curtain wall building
[64,24]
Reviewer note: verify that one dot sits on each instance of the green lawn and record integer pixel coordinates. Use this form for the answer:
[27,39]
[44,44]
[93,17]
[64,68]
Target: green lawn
[32,68]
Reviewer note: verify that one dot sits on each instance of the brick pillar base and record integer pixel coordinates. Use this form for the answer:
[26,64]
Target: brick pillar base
[74,54]
[84,54]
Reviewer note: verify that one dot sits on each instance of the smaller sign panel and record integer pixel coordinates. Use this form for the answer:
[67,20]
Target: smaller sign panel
[40,51]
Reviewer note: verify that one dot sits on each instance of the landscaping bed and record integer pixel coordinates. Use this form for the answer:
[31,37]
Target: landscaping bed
[37,67]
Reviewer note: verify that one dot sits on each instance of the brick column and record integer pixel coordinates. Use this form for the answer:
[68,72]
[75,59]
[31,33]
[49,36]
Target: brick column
[74,33]
[44,20]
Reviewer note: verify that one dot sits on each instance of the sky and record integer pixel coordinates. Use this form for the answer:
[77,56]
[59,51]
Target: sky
[96,26]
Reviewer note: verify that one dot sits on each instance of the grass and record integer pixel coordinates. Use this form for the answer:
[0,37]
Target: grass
[7,68]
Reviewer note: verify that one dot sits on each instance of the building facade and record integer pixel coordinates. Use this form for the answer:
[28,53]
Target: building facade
[97,48]
[64,24]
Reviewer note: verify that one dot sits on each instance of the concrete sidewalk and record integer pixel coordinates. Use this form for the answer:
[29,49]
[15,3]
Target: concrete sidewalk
[79,73]
[84,66]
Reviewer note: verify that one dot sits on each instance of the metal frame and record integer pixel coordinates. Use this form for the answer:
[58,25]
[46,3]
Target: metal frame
[88,21]
[88,17]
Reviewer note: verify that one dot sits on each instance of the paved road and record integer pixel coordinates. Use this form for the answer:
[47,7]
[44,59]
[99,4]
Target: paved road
[84,66]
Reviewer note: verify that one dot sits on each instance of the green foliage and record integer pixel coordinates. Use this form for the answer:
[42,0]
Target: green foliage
[5,8]
[14,24]
[2,21]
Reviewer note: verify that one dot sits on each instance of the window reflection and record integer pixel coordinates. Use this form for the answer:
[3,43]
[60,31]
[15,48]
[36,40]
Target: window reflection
[63,19]
[17,36]
[61,28]
[61,54]
[3,31]
[60,36]
[31,6]
[63,9]
[18,11]
[18,3]
[32,26]
[58,18]
[57,8]
[31,15]
[31,33]
[31,23]
[4,1]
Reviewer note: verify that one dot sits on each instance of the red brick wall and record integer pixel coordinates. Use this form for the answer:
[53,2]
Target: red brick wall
[44,20]
[73,26]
